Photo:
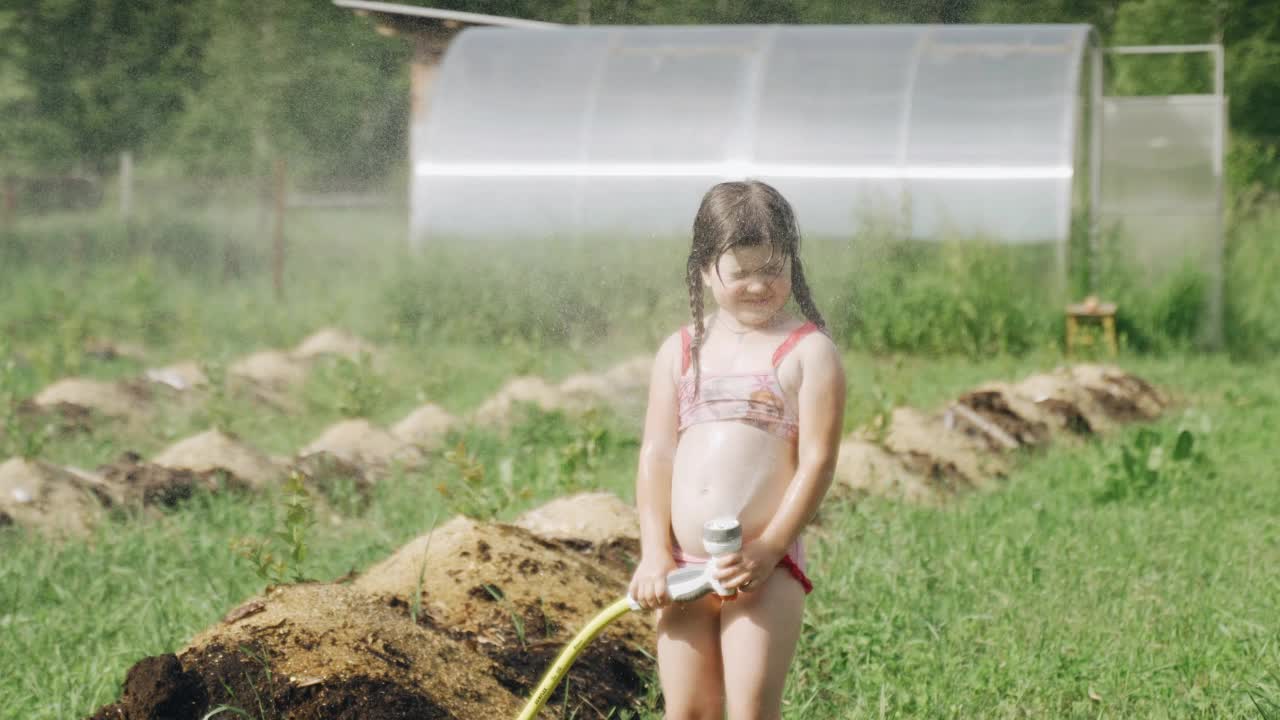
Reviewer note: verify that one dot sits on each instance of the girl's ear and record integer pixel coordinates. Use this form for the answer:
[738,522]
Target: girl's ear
[706,277]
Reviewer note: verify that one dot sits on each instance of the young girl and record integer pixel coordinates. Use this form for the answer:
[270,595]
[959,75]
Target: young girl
[744,419]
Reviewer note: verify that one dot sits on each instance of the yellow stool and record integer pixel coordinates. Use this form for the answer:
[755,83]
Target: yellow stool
[1093,312]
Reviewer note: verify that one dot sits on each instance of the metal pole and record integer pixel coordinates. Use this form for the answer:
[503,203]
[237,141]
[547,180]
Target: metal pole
[1216,279]
[1095,165]
[421,70]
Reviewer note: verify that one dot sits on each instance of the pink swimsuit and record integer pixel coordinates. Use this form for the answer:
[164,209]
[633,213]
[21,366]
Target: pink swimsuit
[756,399]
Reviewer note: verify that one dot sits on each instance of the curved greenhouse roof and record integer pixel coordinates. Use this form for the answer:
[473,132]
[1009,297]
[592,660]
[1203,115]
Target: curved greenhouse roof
[967,129]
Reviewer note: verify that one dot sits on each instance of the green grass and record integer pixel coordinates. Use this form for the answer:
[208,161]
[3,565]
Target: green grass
[1013,603]
[1017,603]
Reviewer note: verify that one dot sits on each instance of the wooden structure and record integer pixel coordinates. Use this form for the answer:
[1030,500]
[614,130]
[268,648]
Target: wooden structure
[1091,312]
[430,30]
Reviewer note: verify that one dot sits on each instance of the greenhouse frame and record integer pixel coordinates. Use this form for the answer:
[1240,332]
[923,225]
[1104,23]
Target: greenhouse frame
[943,132]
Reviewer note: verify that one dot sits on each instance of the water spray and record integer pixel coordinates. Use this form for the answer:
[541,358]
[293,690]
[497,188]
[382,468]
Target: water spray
[720,537]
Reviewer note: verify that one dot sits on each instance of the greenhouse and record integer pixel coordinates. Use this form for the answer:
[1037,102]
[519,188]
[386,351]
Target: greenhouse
[942,130]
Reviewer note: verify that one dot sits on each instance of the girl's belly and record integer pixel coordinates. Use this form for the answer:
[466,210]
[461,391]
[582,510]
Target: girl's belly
[727,469]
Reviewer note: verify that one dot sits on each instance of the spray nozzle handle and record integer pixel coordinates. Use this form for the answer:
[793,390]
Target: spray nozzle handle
[721,536]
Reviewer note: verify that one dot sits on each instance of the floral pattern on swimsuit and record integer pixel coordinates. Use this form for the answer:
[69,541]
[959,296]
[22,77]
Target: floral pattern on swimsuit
[756,399]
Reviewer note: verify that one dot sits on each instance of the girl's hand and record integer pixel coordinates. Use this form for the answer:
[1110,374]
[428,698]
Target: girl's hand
[749,568]
[649,583]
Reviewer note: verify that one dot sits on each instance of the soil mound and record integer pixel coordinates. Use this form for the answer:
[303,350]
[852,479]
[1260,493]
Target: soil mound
[632,374]
[270,368]
[596,517]
[115,400]
[333,477]
[332,341]
[868,469]
[50,499]
[318,651]
[425,427]
[136,483]
[359,442]
[622,386]
[926,457]
[214,450]
[526,390]
[181,377]
[519,598]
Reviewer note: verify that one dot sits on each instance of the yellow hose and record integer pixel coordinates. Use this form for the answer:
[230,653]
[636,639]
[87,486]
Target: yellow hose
[557,670]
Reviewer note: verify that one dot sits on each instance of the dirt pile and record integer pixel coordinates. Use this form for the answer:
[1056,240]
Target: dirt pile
[50,499]
[459,623]
[332,341]
[361,443]
[269,368]
[500,409]
[110,399]
[425,427]
[61,501]
[519,598]
[596,517]
[622,387]
[318,651]
[215,450]
[134,483]
[927,457]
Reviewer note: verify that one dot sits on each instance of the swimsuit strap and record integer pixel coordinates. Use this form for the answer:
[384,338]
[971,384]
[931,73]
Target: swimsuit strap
[796,336]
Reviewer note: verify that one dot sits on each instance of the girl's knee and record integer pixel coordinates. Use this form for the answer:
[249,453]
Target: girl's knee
[700,708]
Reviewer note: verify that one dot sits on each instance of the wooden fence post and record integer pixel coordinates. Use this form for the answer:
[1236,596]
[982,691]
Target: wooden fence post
[277,259]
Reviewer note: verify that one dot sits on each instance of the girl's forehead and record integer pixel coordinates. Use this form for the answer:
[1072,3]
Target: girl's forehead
[749,257]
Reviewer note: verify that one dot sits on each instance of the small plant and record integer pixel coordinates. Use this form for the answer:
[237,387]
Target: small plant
[516,620]
[351,388]
[415,607]
[1151,463]
[218,405]
[279,558]
[470,494]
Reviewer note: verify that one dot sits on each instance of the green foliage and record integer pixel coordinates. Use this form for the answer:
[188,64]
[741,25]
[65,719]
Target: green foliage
[544,454]
[968,298]
[279,558]
[517,620]
[21,436]
[1151,463]
[219,406]
[350,388]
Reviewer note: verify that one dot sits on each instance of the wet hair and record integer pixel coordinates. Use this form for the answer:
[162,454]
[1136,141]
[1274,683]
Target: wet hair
[743,214]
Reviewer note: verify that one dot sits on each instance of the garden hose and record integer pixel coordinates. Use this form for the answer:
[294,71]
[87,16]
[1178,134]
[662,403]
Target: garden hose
[557,670]
[719,536]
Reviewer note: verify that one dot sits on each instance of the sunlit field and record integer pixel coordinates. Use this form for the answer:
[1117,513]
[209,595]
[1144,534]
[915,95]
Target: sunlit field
[1136,575]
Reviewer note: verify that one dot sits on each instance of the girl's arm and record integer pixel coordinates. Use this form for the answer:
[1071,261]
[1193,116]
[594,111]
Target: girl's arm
[653,477]
[821,395]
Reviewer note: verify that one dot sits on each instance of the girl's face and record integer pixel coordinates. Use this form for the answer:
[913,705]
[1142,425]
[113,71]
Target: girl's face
[750,283]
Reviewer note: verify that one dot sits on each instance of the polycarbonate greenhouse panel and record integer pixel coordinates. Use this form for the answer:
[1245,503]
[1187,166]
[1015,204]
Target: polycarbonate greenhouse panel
[619,130]
[1160,181]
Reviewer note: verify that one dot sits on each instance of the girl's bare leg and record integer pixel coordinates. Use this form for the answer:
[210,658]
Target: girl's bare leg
[689,660]
[758,638]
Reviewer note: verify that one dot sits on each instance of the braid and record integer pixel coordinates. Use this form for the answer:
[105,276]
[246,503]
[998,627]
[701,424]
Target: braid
[694,280]
[800,290]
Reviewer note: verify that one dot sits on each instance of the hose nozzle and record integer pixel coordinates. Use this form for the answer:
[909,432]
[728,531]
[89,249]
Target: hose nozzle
[721,536]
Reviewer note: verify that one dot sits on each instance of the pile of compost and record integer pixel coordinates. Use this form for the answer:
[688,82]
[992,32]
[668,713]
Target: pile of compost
[459,623]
